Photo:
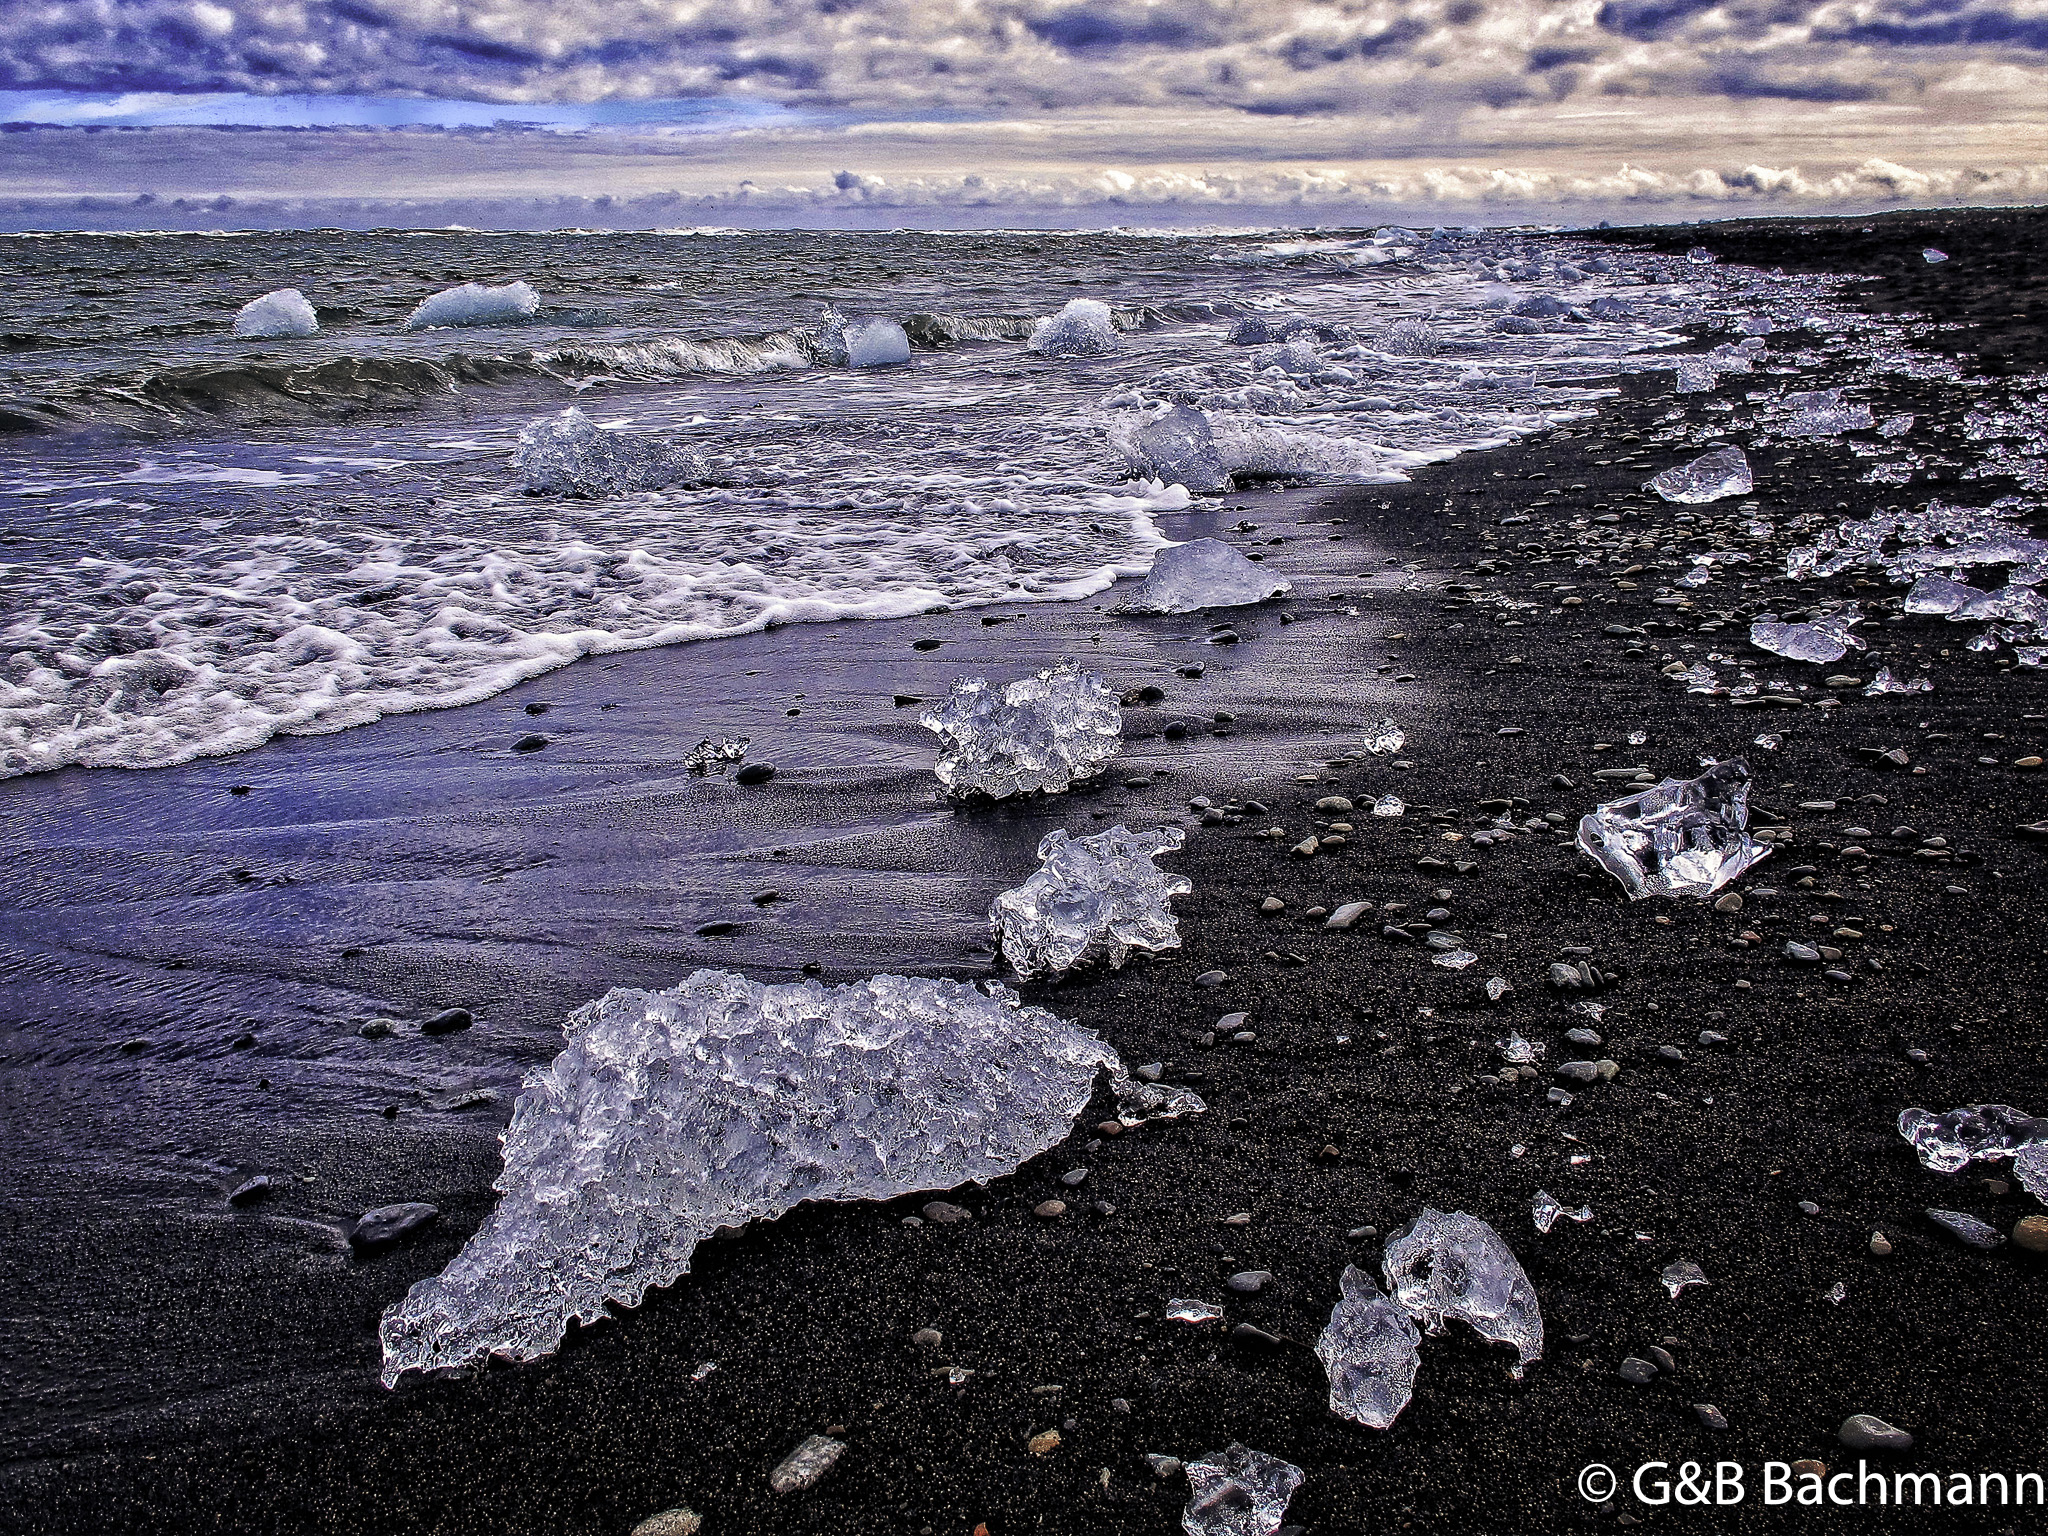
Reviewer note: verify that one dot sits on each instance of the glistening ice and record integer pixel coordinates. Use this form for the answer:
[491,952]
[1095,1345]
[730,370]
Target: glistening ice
[722,1101]
[1097,897]
[1045,732]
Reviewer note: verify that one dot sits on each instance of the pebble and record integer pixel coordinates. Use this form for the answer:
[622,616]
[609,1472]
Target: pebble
[806,1464]
[1212,978]
[1578,1071]
[377,1029]
[1045,1444]
[1162,1466]
[1880,1245]
[1808,1467]
[1051,1210]
[1641,1372]
[930,1338]
[529,743]
[1073,1176]
[1231,1021]
[2031,1233]
[1867,1432]
[1250,1282]
[249,1191]
[1333,803]
[1660,1357]
[1272,904]
[1808,1208]
[1710,1416]
[942,1214]
[755,773]
[1732,902]
[1966,1228]
[447,1022]
[386,1224]
[670,1522]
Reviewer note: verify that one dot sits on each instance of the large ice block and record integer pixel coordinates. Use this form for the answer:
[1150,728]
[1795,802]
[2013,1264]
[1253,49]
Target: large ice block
[1178,447]
[668,1115]
[475,304]
[1203,573]
[1095,898]
[1724,472]
[1044,732]
[571,455]
[1822,639]
[1683,837]
[1973,1133]
[1371,1350]
[1084,328]
[283,313]
[1451,1265]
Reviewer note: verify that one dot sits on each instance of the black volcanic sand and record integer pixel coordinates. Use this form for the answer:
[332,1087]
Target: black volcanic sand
[1372,1090]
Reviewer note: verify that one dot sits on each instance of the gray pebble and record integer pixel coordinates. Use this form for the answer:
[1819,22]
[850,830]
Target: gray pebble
[388,1223]
[1641,1372]
[945,1215]
[1073,1176]
[1217,978]
[1661,1358]
[447,1022]
[1250,1282]
[1710,1416]
[1867,1432]
[1968,1228]
[1578,1071]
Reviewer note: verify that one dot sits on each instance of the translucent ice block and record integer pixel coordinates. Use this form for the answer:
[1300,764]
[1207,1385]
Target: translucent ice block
[1683,837]
[1442,1266]
[1096,898]
[1371,1351]
[1238,1491]
[1724,472]
[1203,573]
[1044,732]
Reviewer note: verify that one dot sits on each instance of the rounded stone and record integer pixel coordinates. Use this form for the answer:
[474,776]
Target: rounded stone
[930,1338]
[2031,1233]
[1867,1432]
[1250,1282]
[670,1522]
[1880,1245]
[1051,1210]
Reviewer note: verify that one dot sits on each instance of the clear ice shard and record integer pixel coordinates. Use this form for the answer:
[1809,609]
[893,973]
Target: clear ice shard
[1939,594]
[1203,573]
[1678,1276]
[1181,1310]
[1823,639]
[1974,1133]
[474,304]
[1823,413]
[1544,1211]
[1084,328]
[1094,898]
[571,455]
[1238,1491]
[1684,837]
[1887,682]
[1178,447]
[1044,732]
[1931,255]
[1968,1228]
[283,313]
[1383,738]
[668,1115]
[1455,1266]
[716,756]
[1724,472]
[1389,806]
[1371,1351]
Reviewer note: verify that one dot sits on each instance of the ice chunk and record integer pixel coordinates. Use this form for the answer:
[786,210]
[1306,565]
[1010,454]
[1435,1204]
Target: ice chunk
[1455,1266]
[1695,374]
[715,756]
[1822,413]
[1724,472]
[1678,1276]
[1096,898]
[1519,1052]
[1181,1310]
[720,1101]
[1544,1211]
[1938,594]
[475,304]
[1895,426]
[1085,328]
[1203,573]
[571,455]
[1383,738]
[876,343]
[1684,837]
[1044,732]
[1700,256]
[1823,639]
[1177,447]
[1371,1351]
[283,313]
[1931,255]
[1454,959]
[1887,682]
[1410,337]
[2030,1167]
[1238,1491]
[1974,1133]
[1389,806]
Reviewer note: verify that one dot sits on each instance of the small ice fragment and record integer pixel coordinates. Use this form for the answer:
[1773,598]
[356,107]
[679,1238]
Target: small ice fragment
[1677,1277]
[1371,1351]
[1454,959]
[708,755]
[1685,837]
[1382,738]
[1519,1052]
[1184,1311]
[1824,639]
[668,1115]
[1837,1293]
[1700,256]
[1203,573]
[1094,897]
[1931,256]
[1178,447]
[806,1464]
[1724,472]
[1974,1133]
[1939,594]
[1823,413]
[1638,738]
[1695,374]
[283,313]
[1238,1491]
[1886,682]
[1968,1228]
[1699,678]
[1497,988]
[1044,732]
[1084,328]
[571,455]
[1770,741]
[474,304]
[703,1370]
[1388,805]
[1410,337]
[1895,426]
[1453,1265]
[1544,1211]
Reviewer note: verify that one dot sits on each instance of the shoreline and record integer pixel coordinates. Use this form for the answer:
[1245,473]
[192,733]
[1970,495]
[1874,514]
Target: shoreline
[811,1317]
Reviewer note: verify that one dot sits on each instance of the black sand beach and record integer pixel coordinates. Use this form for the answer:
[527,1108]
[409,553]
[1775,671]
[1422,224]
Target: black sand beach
[1371,1088]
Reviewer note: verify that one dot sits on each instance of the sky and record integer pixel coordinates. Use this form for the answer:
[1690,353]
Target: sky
[664,113]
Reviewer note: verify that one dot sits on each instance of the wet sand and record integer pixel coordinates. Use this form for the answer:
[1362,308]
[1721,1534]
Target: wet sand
[532,881]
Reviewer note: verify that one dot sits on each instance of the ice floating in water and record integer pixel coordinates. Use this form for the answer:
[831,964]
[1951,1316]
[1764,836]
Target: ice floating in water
[1544,1211]
[720,1101]
[1203,573]
[1371,1350]
[1886,682]
[1181,1310]
[1096,898]
[474,304]
[571,455]
[1238,1491]
[1821,413]
[1974,1133]
[1410,337]
[1085,328]
[1939,594]
[1684,837]
[1044,732]
[1931,255]
[1823,639]
[1455,1266]
[876,344]
[1677,1277]
[1178,447]
[283,313]
[1724,472]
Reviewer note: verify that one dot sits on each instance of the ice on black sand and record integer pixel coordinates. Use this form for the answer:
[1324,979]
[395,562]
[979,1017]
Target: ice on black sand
[283,313]
[1045,732]
[1203,573]
[1724,472]
[1238,1491]
[475,304]
[1178,447]
[720,1101]
[1097,897]
[1684,837]
[1985,1133]
[1371,1350]
[1451,1265]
